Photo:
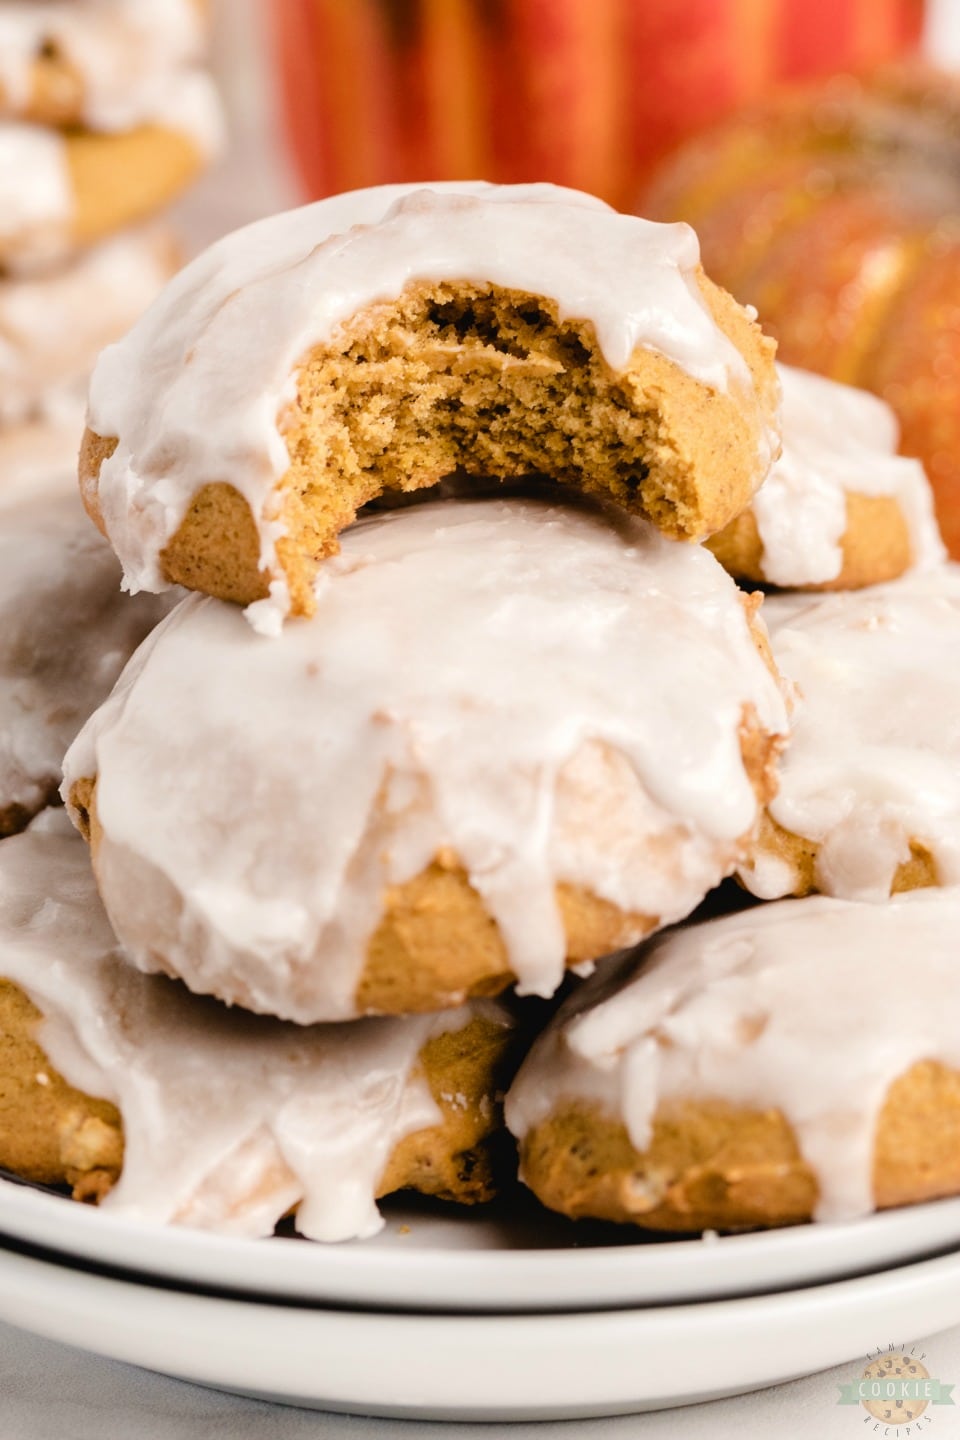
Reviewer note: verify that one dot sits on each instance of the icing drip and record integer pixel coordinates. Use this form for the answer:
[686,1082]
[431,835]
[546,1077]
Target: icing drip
[836,441]
[290,1116]
[65,629]
[123,50]
[52,328]
[36,199]
[551,693]
[191,400]
[874,759]
[783,1007]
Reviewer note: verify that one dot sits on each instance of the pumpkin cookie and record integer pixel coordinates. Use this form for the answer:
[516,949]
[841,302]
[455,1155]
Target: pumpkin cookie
[514,736]
[795,1061]
[65,629]
[54,326]
[869,797]
[379,341]
[101,1070]
[840,509]
[63,190]
[102,64]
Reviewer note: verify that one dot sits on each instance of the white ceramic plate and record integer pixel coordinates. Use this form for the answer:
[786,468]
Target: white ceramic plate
[503,1367]
[524,1259]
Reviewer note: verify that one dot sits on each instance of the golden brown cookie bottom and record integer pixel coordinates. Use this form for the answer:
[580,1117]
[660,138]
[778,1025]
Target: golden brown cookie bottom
[56,1135]
[458,378]
[917,873]
[437,944]
[713,1166]
[875,546]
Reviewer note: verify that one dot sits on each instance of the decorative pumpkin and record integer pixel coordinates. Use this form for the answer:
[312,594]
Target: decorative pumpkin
[836,211]
[581,92]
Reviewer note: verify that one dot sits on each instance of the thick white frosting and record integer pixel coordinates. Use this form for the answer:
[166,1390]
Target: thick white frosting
[65,629]
[125,51]
[196,391]
[230,1120]
[837,441]
[874,759]
[810,1007]
[53,327]
[554,693]
[37,201]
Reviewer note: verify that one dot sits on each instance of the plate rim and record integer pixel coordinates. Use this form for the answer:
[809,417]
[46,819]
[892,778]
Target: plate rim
[470,1280]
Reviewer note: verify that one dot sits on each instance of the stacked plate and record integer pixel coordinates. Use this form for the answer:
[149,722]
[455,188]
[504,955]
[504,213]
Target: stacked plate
[503,1315]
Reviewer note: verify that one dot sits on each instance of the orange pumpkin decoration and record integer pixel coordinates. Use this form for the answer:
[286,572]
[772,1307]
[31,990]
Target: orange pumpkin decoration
[836,211]
[581,92]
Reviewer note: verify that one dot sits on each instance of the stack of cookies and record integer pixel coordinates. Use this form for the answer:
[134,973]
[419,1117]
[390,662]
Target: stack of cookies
[460,708]
[105,117]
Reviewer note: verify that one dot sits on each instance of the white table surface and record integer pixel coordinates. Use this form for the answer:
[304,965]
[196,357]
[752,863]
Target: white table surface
[52,1392]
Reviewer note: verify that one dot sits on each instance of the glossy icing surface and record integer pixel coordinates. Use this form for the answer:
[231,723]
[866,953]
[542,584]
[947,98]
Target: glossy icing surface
[874,758]
[812,1007]
[230,1120]
[836,441]
[487,678]
[191,399]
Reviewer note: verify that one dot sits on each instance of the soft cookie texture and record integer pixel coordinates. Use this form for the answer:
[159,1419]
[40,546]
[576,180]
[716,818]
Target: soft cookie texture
[753,1071]
[840,509]
[869,799]
[514,736]
[64,190]
[65,629]
[380,341]
[105,64]
[316,1121]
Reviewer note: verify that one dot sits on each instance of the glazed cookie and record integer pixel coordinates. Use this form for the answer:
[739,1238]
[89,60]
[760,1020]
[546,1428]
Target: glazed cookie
[63,190]
[54,326]
[65,629]
[102,64]
[101,1071]
[840,509]
[795,1061]
[514,736]
[378,341]
[869,799]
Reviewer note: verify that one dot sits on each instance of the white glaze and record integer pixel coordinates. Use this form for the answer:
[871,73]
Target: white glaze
[230,1120]
[125,52]
[837,441]
[195,392]
[874,759]
[811,1007]
[65,629]
[554,693]
[53,327]
[36,199]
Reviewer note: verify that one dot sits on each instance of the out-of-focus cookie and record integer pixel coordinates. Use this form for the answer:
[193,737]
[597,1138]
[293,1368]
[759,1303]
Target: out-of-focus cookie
[102,64]
[63,190]
[840,509]
[211,1117]
[869,797]
[514,736]
[379,341]
[54,326]
[65,629]
[795,1061]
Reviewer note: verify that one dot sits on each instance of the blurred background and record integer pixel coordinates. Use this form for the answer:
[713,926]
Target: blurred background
[813,144]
